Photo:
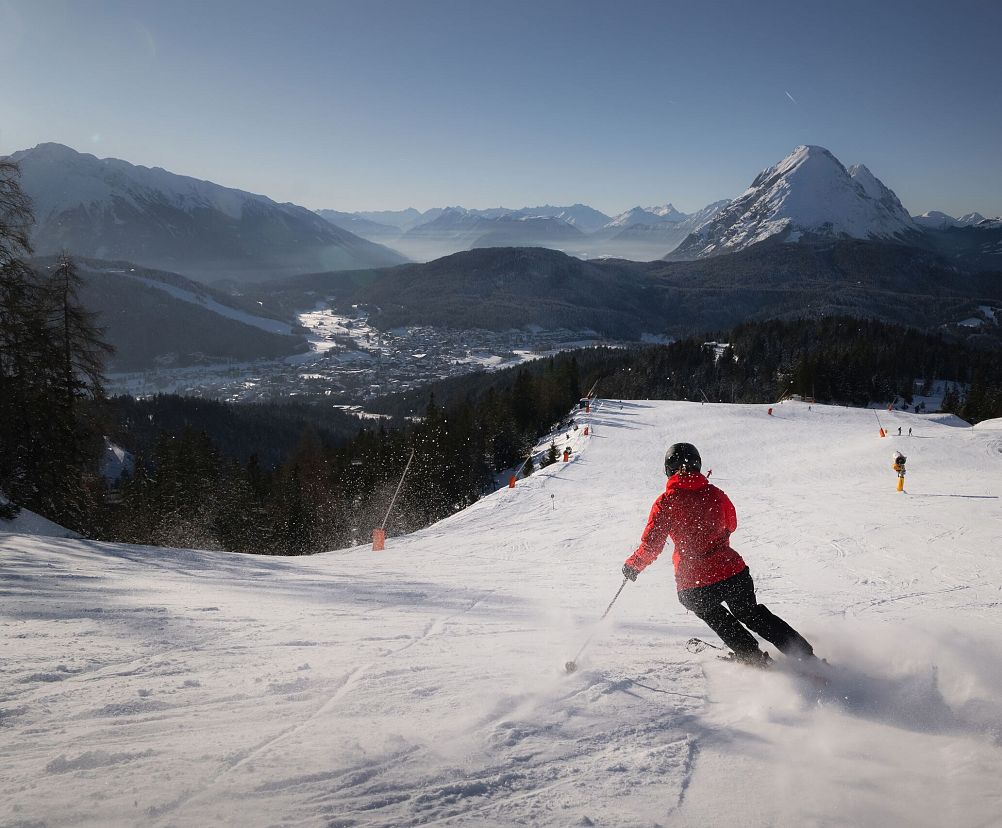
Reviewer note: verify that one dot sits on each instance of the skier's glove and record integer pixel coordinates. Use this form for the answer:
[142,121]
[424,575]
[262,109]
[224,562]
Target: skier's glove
[630,572]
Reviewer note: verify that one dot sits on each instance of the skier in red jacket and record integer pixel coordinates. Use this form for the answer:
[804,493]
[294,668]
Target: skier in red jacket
[699,518]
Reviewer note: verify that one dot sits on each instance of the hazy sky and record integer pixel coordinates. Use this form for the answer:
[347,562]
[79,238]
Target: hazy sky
[372,104]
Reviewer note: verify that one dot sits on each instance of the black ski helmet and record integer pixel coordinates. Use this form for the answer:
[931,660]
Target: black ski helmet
[682,456]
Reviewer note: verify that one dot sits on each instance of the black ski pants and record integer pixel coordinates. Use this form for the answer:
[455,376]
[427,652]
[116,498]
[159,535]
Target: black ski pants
[738,592]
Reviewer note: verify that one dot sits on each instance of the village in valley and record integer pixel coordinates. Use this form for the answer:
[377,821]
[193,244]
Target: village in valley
[351,362]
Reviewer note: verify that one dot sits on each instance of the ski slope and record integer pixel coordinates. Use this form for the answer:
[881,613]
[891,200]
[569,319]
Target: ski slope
[423,685]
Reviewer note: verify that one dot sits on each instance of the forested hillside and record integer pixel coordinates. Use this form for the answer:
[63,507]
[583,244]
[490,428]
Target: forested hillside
[267,431]
[502,288]
[840,360]
[148,326]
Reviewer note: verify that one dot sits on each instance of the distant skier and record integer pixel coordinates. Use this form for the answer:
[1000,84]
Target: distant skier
[899,431]
[699,518]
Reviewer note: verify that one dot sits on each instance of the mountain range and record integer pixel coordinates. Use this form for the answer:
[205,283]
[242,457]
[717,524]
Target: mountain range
[940,221]
[807,195]
[641,233]
[110,209]
[113,210]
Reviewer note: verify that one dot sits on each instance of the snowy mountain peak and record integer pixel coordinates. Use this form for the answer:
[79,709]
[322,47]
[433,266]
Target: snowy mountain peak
[665,214]
[970,218]
[867,180]
[668,212]
[107,208]
[810,193]
[875,189]
[935,219]
[59,178]
[804,160]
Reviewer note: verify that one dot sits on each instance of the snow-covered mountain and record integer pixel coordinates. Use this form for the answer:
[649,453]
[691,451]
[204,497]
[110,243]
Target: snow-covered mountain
[439,220]
[809,193]
[529,231]
[359,225]
[935,220]
[584,218]
[972,241]
[424,684]
[451,223]
[496,227]
[987,223]
[111,209]
[652,232]
[642,233]
[971,218]
[403,220]
[651,216]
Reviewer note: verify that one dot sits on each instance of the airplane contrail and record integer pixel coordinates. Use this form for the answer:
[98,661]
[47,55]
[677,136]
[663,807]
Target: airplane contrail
[791,97]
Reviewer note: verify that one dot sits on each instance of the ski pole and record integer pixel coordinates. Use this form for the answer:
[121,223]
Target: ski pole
[572,665]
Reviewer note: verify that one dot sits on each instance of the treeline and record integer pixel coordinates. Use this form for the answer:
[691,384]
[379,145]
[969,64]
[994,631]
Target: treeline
[268,430]
[51,358]
[837,360]
[326,496]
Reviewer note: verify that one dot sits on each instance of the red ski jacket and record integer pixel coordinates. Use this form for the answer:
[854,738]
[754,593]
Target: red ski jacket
[699,518]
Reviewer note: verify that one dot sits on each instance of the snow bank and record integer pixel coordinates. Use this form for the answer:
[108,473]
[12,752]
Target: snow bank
[29,523]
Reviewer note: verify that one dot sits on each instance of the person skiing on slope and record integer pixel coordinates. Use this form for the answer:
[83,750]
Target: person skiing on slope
[699,518]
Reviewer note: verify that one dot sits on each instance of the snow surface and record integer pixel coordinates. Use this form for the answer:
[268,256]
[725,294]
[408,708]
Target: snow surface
[28,523]
[423,684]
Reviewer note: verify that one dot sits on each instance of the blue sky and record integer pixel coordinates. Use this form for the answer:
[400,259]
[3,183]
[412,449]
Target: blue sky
[382,105]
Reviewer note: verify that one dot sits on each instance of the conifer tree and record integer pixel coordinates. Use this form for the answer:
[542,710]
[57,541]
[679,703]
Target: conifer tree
[551,454]
[51,354]
[20,324]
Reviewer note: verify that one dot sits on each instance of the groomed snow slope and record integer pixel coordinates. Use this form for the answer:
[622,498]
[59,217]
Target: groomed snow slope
[423,685]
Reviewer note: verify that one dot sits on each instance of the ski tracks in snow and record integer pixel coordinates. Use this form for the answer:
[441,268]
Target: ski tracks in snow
[577,750]
[341,689]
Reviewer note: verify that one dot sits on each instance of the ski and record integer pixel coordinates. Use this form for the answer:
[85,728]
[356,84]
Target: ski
[813,672]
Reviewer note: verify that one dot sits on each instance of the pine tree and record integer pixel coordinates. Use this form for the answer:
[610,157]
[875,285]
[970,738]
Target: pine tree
[16,216]
[528,468]
[74,442]
[20,325]
[551,456]
[51,354]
